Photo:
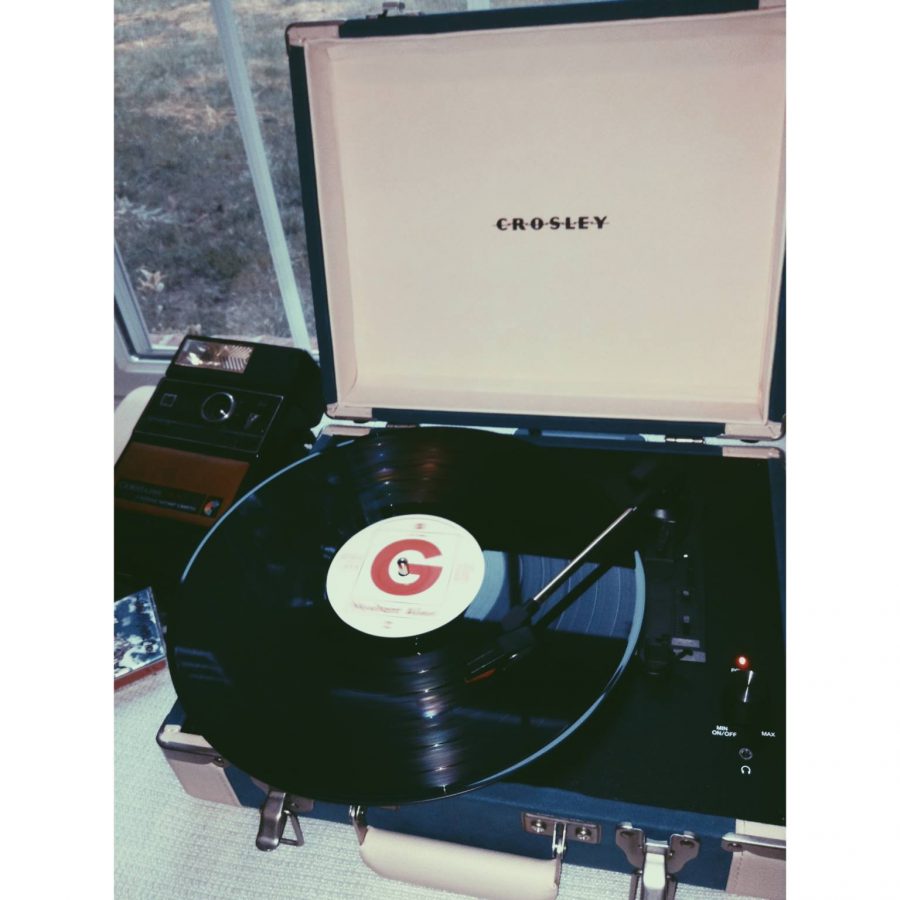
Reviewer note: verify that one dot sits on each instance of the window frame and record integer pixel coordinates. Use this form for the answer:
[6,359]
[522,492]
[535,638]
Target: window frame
[138,362]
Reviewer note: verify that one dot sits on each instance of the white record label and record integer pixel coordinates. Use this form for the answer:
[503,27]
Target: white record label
[405,576]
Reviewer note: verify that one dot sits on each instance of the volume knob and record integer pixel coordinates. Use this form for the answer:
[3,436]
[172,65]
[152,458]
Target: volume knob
[746,696]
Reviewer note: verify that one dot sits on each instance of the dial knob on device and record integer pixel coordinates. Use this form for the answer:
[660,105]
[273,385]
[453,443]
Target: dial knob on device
[217,407]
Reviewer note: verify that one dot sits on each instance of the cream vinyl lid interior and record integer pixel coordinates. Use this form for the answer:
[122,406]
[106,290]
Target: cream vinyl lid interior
[645,161]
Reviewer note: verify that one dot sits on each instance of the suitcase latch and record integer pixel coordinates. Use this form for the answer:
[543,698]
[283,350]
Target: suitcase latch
[580,832]
[655,862]
[274,814]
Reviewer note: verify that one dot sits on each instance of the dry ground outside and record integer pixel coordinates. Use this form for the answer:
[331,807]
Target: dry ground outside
[186,216]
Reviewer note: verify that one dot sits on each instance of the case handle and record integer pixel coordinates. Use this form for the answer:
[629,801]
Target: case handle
[489,874]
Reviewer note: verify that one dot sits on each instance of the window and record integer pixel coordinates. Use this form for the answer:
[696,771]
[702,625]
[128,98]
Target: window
[208,220]
[192,238]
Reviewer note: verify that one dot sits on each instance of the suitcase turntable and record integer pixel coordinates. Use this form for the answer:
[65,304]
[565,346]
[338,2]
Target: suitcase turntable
[579,622]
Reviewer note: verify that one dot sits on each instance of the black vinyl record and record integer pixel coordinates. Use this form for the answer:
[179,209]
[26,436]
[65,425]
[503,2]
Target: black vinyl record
[354,629]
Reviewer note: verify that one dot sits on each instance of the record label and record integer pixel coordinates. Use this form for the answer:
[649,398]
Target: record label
[405,576]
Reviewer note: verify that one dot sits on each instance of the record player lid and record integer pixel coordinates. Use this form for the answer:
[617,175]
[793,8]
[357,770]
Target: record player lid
[563,223]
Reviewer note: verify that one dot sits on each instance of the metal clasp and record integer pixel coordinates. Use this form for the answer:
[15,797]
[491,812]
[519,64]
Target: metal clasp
[358,820]
[581,832]
[558,829]
[273,817]
[655,862]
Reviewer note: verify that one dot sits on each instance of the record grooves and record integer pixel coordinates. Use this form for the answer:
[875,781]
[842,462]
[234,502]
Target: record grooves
[328,630]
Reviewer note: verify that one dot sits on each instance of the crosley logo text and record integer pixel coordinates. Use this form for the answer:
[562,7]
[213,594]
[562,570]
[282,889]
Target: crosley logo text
[554,223]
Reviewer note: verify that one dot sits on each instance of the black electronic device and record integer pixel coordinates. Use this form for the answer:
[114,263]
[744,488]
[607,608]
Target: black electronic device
[227,414]
[581,584]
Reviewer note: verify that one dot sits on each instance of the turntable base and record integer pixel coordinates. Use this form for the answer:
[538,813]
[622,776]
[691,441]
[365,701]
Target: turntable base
[168,844]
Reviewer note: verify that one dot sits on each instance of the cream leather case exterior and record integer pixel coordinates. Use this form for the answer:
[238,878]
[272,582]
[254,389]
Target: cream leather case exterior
[601,239]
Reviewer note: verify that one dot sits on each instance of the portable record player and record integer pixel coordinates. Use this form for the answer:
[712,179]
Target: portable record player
[565,224]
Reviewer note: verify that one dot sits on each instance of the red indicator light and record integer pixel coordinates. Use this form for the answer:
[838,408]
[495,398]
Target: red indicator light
[742,662]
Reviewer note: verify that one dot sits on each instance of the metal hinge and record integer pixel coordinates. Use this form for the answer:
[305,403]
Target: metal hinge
[392,6]
[187,747]
[273,817]
[355,431]
[359,414]
[351,431]
[672,439]
[773,848]
[655,862]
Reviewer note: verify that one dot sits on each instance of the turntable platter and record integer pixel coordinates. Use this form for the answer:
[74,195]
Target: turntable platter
[328,628]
